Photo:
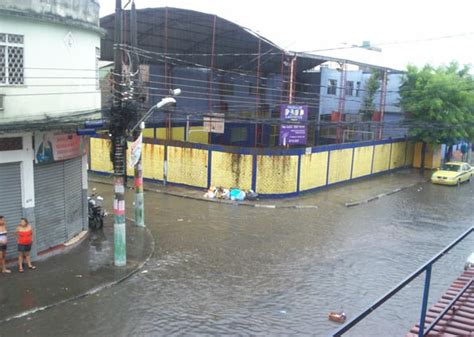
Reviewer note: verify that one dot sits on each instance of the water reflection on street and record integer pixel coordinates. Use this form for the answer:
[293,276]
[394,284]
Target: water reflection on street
[221,269]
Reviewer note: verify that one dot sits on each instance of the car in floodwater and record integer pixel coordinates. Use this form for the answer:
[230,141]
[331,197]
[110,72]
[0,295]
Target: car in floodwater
[453,173]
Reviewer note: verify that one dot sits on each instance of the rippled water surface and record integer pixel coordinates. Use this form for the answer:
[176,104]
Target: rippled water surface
[228,270]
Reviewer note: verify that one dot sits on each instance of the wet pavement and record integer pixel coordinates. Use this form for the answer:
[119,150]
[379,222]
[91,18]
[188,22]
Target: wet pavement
[347,192]
[227,270]
[72,273]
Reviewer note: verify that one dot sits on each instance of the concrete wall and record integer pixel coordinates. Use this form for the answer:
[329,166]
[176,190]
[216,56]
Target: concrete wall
[81,12]
[271,173]
[60,70]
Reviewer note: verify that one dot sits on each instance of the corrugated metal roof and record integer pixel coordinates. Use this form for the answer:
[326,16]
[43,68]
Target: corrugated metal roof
[459,320]
[357,56]
[187,38]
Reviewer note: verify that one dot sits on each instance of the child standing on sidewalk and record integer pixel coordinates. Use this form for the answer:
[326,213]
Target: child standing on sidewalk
[3,245]
[24,234]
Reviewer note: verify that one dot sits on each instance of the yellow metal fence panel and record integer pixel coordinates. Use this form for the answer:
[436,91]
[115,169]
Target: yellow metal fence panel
[177,133]
[277,174]
[381,158]
[398,155]
[340,165]
[417,155]
[100,155]
[153,161]
[314,169]
[231,170]
[148,133]
[196,135]
[410,153]
[274,174]
[187,166]
[362,161]
[160,133]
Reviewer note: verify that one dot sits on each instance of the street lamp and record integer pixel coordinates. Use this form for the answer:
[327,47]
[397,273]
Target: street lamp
[167,101]
[138,178]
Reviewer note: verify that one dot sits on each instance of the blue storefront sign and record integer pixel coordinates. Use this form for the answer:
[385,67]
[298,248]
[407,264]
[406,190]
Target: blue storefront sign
[293,134]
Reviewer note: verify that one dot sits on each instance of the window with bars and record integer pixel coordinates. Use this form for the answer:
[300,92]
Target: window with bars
[11,143]
[11,59]
[349,88]
[332,85]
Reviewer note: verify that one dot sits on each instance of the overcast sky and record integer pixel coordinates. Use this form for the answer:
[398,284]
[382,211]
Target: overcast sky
[301,25]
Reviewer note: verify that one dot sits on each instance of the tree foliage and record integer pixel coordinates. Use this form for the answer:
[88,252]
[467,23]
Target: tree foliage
[439,103]
[368,105]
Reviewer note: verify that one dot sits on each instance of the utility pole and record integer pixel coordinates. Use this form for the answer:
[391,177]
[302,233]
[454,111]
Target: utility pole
[383,94]
[138,176]
[117,130]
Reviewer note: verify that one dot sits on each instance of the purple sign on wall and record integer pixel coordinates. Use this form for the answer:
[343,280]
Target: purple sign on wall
[293,134]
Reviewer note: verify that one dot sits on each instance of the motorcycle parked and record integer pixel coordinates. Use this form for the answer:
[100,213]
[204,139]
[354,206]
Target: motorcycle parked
[96,212]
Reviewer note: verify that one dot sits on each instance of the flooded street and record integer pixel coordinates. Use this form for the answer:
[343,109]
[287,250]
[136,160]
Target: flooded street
[235,270]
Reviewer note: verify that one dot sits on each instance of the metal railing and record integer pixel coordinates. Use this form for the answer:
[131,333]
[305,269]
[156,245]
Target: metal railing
[425,268]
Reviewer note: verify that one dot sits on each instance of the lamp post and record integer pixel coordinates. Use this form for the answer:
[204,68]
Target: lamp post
[139,199]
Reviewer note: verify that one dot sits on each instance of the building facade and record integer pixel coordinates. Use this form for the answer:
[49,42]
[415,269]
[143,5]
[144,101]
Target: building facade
[49,86]
[228,71]
[327,83]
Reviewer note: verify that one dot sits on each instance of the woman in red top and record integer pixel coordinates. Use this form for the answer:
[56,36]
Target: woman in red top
[24,234]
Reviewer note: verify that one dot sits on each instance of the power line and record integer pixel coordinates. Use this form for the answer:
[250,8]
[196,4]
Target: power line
[435,38]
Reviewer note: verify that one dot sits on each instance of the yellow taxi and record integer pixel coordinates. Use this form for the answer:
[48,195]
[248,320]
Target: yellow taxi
[453,173]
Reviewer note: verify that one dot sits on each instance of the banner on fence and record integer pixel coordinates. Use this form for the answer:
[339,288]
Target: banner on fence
[293,134]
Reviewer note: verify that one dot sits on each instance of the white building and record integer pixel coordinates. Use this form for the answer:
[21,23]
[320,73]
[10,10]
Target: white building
[48,86]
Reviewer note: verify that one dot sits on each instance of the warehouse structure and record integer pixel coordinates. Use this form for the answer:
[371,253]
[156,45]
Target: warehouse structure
[237,81]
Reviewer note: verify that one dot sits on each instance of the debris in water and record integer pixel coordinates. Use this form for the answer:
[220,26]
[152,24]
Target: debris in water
[339,317]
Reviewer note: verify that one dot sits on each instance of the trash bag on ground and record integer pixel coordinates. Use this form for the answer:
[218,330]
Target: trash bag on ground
[237,195]
[251,195]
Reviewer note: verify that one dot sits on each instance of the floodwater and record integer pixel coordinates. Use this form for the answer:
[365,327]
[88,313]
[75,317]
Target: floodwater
[230,270]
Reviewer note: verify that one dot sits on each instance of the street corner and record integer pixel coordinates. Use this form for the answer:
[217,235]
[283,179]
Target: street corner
[79,271]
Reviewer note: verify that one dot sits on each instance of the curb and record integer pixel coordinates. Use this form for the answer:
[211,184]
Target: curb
[227,202]
[380,196]
[89,292]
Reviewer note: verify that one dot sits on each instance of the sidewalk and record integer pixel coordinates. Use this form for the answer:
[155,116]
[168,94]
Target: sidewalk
[78,271]
[349,193]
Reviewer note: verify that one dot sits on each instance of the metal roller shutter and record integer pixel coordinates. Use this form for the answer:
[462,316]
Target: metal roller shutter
[50,205]
[73,196]
[10,200]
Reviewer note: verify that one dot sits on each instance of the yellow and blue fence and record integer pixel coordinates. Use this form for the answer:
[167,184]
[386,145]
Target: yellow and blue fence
[269,172]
